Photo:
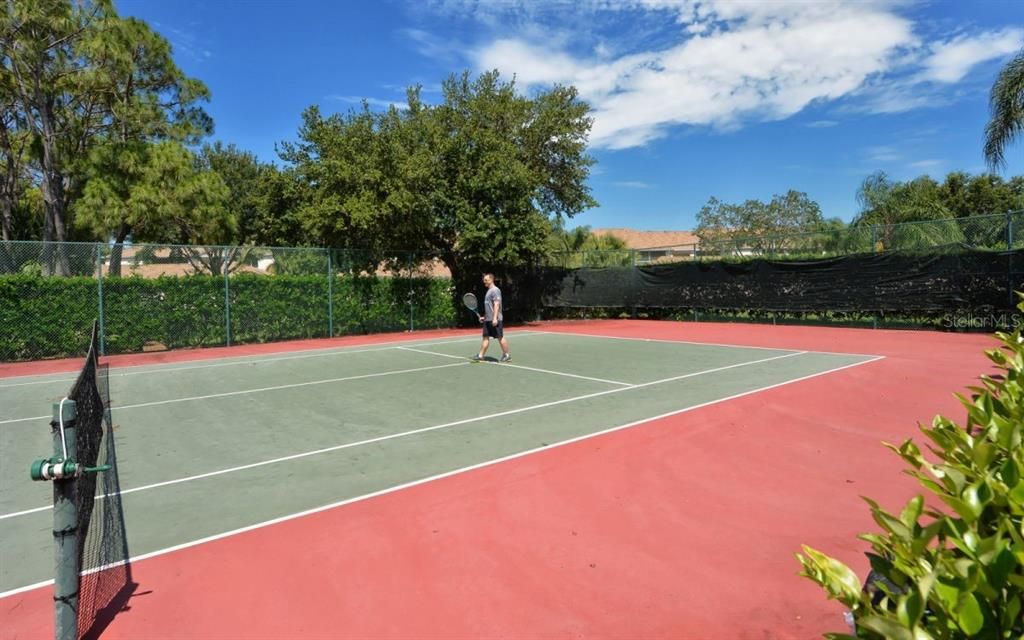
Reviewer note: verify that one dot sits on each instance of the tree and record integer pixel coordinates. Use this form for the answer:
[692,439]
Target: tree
[240,172]
[756,226]
[42,69]
[80,76]
[1006,103]
[581,247]
[474,180]
[14,147]
[984,194]
[889,206]
[155,191]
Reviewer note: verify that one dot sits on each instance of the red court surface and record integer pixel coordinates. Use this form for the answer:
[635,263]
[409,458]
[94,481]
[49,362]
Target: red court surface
[683,527]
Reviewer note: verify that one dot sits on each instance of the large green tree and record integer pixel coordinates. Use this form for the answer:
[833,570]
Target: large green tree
[43,70]
[884,201]
[474,180]
[965,195]
[263,200]
[1007,107]
[890,209]
[580,246]
[756,226]
[80,77]
[156,191]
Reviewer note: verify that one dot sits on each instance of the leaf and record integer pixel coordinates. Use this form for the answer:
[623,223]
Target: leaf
[948,594]
[910,608]
[1011,614]
[912,511]
[1000,568]
[1009,473]
[969,616]
[963,509]
[841,582]
[888,628]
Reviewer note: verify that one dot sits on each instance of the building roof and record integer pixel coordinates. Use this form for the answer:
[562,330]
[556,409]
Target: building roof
[636,239]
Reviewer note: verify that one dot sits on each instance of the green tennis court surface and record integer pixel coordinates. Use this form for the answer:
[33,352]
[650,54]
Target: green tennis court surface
[213,446]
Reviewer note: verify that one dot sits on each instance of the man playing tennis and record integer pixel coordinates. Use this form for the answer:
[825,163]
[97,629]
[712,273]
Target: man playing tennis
[493,321]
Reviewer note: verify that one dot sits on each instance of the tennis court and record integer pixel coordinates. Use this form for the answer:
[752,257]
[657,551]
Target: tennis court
[379,449]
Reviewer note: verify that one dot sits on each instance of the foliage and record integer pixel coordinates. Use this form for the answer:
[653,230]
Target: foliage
[154,191]
[580,247]
[983,194]
[1006,103]
[757,227]
[260,198]
[51,314]
[955,570]
[885,202]
[77,76]
[473,180]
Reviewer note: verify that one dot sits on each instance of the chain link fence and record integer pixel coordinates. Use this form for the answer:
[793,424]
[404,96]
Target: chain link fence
[151,297]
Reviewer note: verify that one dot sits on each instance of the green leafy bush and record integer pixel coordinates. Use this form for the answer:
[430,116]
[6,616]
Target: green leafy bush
[49,317]
[954,570]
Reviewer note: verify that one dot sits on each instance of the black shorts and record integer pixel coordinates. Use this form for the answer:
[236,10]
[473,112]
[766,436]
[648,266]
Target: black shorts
[494,331]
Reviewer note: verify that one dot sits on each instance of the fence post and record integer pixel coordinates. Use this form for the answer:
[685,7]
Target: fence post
[99,291]
[634,281]
[412,295]
[227,307]
[330,295]
[874,238]
[1009,257]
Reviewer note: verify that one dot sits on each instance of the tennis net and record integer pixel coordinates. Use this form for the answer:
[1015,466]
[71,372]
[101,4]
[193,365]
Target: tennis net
[105,577]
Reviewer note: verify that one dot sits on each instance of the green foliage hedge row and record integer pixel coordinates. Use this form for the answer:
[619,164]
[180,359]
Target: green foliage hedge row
[50,317]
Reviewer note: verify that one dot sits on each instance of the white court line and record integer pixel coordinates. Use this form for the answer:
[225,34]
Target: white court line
[446,425]
[702,344]
[259,390]
[519,366]
[446,474]
[327,351]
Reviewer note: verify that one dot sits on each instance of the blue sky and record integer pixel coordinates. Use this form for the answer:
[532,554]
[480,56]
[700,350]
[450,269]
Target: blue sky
[692,99]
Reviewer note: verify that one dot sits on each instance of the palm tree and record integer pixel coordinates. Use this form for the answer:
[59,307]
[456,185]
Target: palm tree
[1007,105]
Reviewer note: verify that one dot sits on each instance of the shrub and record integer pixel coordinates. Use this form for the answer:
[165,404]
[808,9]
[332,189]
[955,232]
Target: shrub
[955,571]
[47,317]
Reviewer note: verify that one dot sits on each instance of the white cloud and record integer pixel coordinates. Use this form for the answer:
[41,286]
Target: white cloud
[821,124]
[431,46]
[632,184]
[882,154]
[755,69]
[722,63]
[926,164]
[950,61]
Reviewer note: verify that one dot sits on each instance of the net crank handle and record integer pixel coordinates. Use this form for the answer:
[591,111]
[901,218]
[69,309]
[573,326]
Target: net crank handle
[60,469]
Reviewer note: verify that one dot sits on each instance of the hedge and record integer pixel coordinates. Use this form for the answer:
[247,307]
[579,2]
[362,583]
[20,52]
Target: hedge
[47,317]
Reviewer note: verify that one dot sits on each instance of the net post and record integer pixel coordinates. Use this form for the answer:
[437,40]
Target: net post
[65,528]
[330,295]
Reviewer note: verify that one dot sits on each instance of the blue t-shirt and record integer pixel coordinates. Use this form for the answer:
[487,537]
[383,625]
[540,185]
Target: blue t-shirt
[493,295]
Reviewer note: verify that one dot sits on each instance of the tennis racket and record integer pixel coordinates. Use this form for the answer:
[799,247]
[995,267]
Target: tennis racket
[471,303]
